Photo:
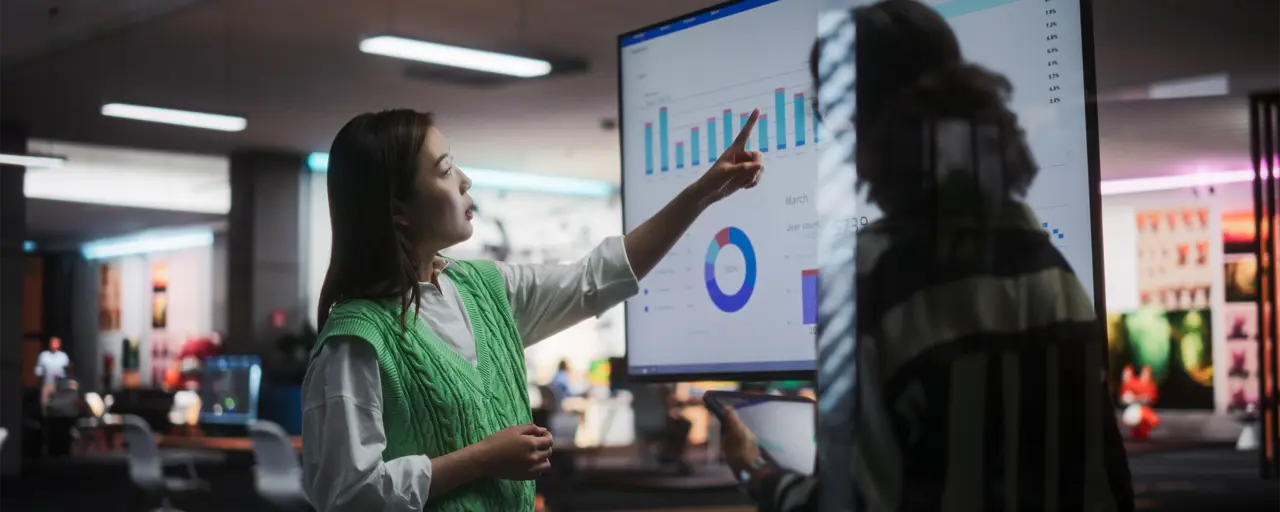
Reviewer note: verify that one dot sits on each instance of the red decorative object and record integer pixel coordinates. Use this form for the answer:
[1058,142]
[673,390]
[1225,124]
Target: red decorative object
[1139,394]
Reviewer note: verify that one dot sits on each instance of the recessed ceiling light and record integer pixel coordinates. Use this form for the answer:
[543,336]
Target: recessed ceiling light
[455,56]
[32,161]
[1218,84]
[177,117]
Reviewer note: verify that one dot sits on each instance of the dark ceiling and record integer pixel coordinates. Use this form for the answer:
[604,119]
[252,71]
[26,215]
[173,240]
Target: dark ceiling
[292,67]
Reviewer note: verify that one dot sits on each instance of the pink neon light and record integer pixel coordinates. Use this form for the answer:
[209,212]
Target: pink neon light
[1173,182]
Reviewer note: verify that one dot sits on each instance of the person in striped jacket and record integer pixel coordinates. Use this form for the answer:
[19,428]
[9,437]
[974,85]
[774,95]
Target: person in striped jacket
[980,360]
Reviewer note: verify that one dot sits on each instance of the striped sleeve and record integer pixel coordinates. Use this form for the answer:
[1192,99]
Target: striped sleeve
[788,492]
[992,379]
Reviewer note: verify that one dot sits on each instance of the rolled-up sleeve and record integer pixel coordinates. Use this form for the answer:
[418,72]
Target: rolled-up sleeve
[549,298]
[343,437]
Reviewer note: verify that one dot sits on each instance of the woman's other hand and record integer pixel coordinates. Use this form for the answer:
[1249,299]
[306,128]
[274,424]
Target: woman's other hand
[740,448]
[736,168]
[521,452]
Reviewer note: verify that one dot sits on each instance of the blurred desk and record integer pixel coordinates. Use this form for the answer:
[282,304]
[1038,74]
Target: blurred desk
[233,444]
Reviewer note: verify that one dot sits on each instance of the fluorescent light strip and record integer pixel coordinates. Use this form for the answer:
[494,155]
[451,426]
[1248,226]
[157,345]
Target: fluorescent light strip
[455,56]
[507,180]
[1173,182]
[34,162]
[145,243]
[318,162]
[177,117]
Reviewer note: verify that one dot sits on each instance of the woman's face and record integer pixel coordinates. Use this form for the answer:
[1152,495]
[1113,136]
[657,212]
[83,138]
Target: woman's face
[440,214]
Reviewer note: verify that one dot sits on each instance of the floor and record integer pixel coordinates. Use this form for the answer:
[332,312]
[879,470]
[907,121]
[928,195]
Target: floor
[1182,478]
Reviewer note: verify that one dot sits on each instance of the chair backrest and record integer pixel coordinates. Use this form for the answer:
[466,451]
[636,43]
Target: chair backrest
[550,399]
[277,475]
[145,466]
[649,403]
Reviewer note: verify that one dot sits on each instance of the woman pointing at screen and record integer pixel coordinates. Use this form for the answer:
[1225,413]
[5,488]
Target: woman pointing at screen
[415,396]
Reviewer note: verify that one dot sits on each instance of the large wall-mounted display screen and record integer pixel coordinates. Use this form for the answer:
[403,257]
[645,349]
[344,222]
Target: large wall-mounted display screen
[738,294]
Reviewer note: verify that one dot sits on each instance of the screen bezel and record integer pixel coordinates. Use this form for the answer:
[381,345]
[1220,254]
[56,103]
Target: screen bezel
[713,400]
[633,375]
[1095,164]
[1092,157]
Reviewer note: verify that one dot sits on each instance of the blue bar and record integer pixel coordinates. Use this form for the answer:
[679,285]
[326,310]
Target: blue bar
[799,105]
[694,148]
[692,21]
[742,123]
[764,133]
[809,296]
[728,128]
[648,148]
[780,110]
[711,139]
[662,136]
[679,155]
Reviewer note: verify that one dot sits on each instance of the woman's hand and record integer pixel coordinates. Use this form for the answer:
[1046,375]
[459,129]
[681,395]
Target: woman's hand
[517,453]
[740,448]
[735,170]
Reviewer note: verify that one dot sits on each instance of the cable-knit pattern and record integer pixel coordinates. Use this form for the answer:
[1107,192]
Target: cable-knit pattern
[433,401]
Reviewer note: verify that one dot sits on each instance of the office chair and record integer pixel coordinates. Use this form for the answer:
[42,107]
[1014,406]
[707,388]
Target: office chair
[146,468]
[277,474]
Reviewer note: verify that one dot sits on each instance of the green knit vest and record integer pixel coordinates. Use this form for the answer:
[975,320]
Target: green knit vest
[434,402]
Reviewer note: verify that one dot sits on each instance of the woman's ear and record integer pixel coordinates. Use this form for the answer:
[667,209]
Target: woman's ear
[399,213]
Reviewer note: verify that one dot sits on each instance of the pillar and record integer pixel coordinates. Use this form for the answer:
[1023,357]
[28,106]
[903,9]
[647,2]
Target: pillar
[266,237]
[13,220]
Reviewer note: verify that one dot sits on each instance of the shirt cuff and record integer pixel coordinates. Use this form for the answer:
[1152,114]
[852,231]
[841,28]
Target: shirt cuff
[617,280]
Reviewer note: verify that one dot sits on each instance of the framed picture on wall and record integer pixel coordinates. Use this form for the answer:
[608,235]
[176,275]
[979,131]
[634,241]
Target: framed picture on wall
[1173,347]
[1240,276]
[1173,258]
[159,295]
[108,298]
[1238,233]
[1242,354]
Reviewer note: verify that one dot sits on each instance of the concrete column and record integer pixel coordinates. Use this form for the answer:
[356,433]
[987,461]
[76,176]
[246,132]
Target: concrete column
[13,220]
[266,237]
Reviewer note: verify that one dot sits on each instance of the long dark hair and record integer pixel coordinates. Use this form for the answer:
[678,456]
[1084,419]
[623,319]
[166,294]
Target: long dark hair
[372,164]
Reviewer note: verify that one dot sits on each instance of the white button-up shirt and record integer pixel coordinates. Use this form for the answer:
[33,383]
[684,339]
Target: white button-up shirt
[342,394]
[51,366]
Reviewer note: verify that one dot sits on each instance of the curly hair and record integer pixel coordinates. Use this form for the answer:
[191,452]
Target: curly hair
[900,154]
[912,78]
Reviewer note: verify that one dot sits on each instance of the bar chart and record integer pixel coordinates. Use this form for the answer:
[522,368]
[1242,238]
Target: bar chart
[680,139]
[809,295]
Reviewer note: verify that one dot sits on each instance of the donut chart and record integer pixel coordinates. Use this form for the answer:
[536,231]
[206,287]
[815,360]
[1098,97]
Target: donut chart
[735,237]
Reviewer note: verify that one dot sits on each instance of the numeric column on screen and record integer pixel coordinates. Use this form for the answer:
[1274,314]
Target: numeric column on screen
[1053,53]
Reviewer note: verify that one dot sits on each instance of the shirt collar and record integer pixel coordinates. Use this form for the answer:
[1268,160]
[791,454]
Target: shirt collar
[438,266]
